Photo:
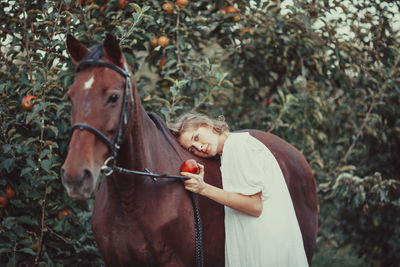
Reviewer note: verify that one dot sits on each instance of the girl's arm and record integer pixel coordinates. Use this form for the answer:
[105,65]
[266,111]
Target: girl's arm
[249,204]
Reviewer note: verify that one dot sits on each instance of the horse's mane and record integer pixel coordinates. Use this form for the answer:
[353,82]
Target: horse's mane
[163,128]
[161,125]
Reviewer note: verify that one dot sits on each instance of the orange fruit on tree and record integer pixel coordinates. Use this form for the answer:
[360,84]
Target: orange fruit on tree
[162,62]
[123,3]
[245,30]
[3,202]
[103,8]
[63,213]
[182,3]
[168,7]
[231,9]
[154,42]
[10,193]
[163,41]
[26,102]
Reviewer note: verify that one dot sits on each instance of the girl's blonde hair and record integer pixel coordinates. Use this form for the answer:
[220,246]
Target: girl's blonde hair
[196,120]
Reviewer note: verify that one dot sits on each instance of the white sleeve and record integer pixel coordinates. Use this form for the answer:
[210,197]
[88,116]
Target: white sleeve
[243,166]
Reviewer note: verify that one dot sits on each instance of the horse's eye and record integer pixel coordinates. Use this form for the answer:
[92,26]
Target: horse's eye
[113,98]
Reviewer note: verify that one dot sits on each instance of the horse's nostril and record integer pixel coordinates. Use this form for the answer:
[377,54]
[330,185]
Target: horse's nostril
[62,171]
[87,174]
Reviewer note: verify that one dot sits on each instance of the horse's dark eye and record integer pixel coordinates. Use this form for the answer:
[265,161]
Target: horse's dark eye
[113,98]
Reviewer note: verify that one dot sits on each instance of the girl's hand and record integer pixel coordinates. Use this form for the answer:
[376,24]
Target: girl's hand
[196,182]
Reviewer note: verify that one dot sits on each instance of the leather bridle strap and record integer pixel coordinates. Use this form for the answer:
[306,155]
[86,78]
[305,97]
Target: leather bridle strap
[101,63]
[97,133]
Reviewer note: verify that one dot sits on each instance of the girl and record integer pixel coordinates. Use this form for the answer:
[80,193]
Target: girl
[261,227]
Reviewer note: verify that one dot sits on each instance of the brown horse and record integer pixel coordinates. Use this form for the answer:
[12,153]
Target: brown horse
[136,221]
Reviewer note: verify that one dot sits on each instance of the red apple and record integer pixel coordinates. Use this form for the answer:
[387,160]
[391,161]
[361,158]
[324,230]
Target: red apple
[162,62]
[63,213]
[191,166]
[103,8]
[163,41]
[168,7]
[10,193]
[123,3]
[182,3]
[27,102]
[3,202]
[154,42]
[231,9]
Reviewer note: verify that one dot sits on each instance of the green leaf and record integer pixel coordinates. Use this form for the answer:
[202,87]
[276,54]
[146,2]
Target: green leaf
[46,165]
[49,189]
[7,164]
[26,172]
[6,148]
[8,222]
[17,203]
[48,178]
[4,250]
[27,220]
[19,230]
[31,163]
[27,250]
[44,153]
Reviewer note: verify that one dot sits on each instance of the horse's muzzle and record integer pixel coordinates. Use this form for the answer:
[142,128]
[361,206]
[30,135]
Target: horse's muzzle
[78,186]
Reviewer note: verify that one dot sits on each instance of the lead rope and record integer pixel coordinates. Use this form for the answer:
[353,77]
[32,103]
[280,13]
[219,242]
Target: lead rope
[198,233]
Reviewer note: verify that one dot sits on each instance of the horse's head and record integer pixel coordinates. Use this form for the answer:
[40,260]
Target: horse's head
[100,94]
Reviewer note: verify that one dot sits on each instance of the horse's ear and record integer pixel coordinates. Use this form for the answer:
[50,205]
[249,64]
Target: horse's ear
[112,50]
[76,49]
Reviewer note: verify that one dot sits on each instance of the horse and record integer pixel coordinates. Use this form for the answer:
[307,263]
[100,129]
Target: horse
[138,221]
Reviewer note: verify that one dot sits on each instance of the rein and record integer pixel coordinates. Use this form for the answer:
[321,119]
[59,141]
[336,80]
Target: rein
[115,144]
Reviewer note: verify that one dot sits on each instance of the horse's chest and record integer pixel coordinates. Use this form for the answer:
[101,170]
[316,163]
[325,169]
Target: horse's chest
[121,242]
[143,235]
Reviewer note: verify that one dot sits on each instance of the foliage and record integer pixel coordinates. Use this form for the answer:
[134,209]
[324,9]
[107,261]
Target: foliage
[288,69]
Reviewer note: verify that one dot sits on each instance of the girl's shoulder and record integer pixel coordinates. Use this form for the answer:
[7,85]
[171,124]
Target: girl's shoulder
[243,141]
[236,139]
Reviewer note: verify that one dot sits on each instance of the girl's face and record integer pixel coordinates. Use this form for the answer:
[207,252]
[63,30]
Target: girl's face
[203,141]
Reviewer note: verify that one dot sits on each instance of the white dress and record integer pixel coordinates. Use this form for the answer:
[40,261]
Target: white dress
[273,239]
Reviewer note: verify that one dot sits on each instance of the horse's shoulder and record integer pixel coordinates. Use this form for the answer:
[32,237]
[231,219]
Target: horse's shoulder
[281,149]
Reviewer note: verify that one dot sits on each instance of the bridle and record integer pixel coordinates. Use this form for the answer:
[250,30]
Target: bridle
[125,120]
[115,144]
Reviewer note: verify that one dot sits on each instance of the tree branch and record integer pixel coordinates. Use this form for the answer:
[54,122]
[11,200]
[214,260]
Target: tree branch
[27,47]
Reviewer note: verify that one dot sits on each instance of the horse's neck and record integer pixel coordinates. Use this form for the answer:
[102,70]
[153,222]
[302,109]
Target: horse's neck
[146,147]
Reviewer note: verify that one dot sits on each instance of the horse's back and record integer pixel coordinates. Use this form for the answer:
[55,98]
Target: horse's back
[301,185]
